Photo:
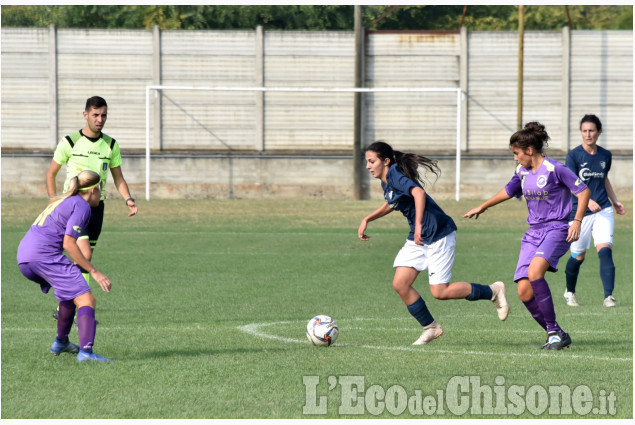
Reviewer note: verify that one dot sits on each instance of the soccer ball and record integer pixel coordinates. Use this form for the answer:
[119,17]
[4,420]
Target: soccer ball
[322,331]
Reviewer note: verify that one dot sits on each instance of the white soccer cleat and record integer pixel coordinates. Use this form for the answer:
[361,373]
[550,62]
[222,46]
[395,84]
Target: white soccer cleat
[609,301]
[430,332]
[500,300]
[572,300]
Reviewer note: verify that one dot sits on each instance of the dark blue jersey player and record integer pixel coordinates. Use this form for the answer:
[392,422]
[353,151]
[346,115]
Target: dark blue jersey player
[431,242]
[591,163]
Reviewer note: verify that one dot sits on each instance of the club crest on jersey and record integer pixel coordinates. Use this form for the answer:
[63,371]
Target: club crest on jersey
[541,182]
[603,164]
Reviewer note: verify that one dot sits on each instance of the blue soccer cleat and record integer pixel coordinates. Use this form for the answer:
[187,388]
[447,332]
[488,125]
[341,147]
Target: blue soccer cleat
[59,347]
[85,356]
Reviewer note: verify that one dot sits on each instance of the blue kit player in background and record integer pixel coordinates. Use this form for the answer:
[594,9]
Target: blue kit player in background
[41,259]
[431,242]
[591,163]
[546,185]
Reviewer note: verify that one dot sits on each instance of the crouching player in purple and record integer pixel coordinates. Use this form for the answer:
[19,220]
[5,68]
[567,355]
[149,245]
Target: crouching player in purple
[546,185]
[431,243]
[41,259]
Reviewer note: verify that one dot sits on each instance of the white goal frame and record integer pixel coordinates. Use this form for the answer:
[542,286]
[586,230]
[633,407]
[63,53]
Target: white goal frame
[157,88]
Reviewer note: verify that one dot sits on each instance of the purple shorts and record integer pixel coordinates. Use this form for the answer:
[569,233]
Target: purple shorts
[64,276]
[548,241]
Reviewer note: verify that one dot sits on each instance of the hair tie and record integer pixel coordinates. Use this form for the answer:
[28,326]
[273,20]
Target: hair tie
[89,187]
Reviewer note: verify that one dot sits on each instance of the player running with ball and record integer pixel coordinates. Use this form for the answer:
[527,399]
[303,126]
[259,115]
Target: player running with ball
[546,185]
[431,242]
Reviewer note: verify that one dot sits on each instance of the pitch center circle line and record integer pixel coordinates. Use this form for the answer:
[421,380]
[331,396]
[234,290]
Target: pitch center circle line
[255,330]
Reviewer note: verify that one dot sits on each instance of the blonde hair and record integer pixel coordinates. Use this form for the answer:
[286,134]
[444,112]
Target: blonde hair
[85,180]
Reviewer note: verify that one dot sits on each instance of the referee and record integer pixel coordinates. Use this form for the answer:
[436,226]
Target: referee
[90,149]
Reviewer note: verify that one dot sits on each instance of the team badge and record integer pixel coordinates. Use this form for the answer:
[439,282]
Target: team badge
[602,164]
[541,182]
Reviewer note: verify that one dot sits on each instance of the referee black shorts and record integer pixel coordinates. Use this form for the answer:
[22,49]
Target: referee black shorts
[94,225]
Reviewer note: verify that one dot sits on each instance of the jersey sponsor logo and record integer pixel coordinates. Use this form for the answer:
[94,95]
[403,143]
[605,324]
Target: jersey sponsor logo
[93,153]
[541,182]
[586,174]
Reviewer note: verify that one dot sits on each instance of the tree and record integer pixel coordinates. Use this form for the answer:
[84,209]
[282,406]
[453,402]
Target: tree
[316,17]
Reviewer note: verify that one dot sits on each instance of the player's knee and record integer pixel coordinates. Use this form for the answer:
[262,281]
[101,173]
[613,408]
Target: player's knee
[578,255]
[525,291]
[400,286]
[439,291]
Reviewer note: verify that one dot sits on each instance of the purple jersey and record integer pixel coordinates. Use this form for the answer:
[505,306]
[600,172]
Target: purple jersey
[547,191]
[45,239]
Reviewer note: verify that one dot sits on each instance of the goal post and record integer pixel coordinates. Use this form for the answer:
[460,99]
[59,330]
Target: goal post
[159,88]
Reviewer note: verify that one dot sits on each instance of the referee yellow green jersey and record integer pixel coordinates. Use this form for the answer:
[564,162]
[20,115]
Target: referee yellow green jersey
[80,152]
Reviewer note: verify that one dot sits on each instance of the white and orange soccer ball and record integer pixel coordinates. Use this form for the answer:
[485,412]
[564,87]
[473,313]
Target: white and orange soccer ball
[322,331]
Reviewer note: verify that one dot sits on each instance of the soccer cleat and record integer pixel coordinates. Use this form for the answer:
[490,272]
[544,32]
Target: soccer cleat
[85,356]
[500,300]
[557,340]
[571,299]
[430,332]
[609,301]
[59,347]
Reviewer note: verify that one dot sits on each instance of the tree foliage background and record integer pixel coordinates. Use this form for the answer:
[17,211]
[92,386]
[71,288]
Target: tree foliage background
[318,17]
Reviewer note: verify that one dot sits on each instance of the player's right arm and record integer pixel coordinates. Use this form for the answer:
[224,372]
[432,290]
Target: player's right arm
[51,174]
[70,245]
[501,196]
[378,213]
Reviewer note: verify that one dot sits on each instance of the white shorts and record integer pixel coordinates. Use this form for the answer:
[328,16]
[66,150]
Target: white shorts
[599,225]
[437,258]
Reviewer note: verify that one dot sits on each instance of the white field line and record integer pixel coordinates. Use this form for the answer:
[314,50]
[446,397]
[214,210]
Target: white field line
[255,329]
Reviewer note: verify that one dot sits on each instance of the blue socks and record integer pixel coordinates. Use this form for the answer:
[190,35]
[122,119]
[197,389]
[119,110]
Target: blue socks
[480,292]
[607,270]
[571,272]
[420,311]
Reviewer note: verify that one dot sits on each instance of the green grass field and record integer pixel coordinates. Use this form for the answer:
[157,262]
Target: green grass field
[210,300]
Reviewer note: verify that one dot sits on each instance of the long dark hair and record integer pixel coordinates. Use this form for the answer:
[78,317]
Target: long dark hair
[408,163]
[532,135]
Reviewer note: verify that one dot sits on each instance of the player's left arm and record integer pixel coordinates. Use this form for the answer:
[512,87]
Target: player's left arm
[122,187]
[583,202]
[619,208]
[419,196]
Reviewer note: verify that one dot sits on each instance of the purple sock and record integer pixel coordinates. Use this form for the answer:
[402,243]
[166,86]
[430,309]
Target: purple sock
[65,316]
[86,327]
[542,295]
[533,308]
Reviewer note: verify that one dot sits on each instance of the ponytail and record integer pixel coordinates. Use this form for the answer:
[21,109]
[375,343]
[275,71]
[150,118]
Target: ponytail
[408,163]
[85,180]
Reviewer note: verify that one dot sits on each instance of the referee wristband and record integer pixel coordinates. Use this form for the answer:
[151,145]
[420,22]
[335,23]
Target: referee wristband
[129,199]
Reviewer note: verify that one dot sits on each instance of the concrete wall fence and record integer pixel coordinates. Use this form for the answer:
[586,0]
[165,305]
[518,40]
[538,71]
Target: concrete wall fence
[259,143]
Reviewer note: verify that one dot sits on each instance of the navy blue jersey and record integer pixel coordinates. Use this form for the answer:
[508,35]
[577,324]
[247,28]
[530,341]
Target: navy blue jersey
[592,170]
[435,224]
